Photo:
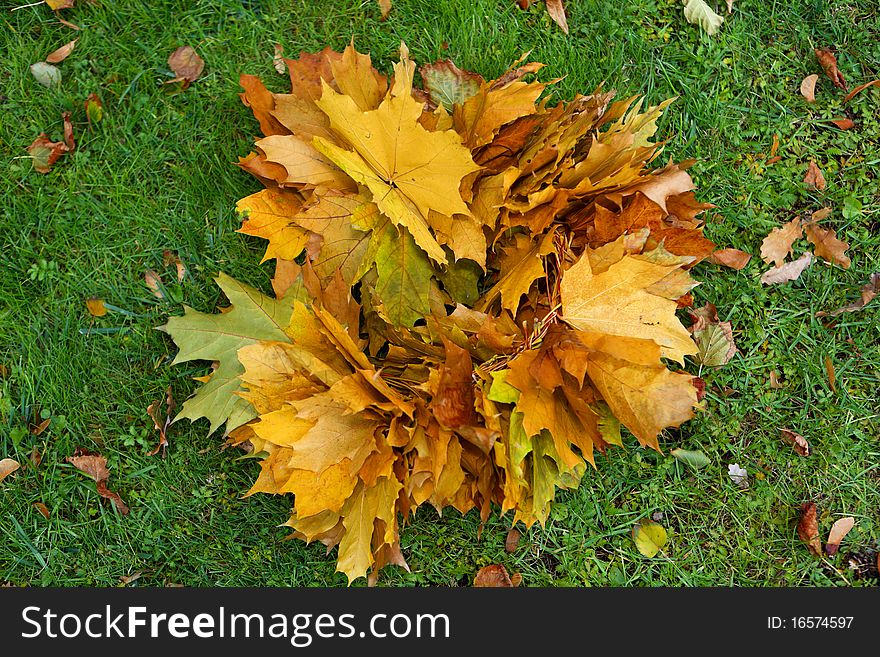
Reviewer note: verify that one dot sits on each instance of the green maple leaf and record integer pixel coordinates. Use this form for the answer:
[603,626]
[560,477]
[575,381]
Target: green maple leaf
[202,336]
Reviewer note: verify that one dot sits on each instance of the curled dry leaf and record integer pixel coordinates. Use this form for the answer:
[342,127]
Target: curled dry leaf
[733,258]
[494,576]
[808,87]
[170,258]
[827,246]
[44,153]
[95,466]
[832,375]
[162,423]
[557,12]
[512,540]
[68,131]
[777,245]
[186,64]
[775,383]
[859,89]
[790,271]
[808,528]
[839,529]
[800,444]
[829,64]
[154,282]
[61,54]
[7,467]
[868,292]
[814,178]
[278,59]
[42,508]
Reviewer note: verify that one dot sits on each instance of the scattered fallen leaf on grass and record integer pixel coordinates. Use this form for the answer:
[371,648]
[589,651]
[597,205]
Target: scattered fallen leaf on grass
[844,124]
[733,258]
[738,475]
[814,178]
[868,292]
[57,56]
[729,6]
[494,576]
[808,528]
[154,282]
[171,258]
[557,12]
[186,64]
[68,131]
[94,109]
[162,424]
[714,338]
[800,444]
[776,247]
[829,64]
[42,508]
[512,540]
[278,59]
[38,429]
[95,466]
[828,247]
[694,458]
[44,153]
[55,5]
[699,13]
[524,4]
[790,271]
[46,74]
[839,529]
[808,87]
[385,8]
[649,536]
[96,307]
[859,89]
[774,148]
[7,467]
[35,457]
[774,380]
[128,579]
[820,214]
[832,376]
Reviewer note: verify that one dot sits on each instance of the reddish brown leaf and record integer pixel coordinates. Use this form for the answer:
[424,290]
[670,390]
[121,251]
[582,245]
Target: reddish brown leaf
[868,292]
[839,530]
[844,124]
[162,424]
[494,576]
[829,64]
[453,404]
[37,429]
[808,88]
[814,178]
[800,444]
[832,376]
[186,64]
[828,247]
[36,458]
[42,508]
[7,467]
[68,132]
[512,540]
[171,258]
[820,214]
[733,258]
[776,247]
[128,579]
[61,54]
[774,380]
[860,88]
[808,528]
[524,4]
[95,466]
[45,153]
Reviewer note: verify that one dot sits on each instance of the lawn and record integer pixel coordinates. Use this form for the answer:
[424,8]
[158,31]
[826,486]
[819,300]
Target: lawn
[157,174]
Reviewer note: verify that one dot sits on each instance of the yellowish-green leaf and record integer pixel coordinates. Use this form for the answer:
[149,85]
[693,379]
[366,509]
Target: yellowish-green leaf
[649,537]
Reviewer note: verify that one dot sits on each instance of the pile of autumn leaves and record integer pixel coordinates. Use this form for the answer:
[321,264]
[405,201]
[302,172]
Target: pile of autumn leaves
[474,290]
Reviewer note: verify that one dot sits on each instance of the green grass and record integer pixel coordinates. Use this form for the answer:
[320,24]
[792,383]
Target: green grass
[157,174]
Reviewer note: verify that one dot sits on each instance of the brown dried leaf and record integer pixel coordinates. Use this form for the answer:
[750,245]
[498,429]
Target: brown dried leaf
[171,258]
[774,380]
[45,153]
[860,88]
[808,87]
[278,59]
[808,528]
[61,54]
[790,271]
[557,12]
[832,376]
[154,282]
[733,258]
[385,8]
[512,540]
[839,529]
[814,178]
[777,245]
[820,214]
[37,429]
[7,467]
[800,444]
[828,247]
[844,124]
[186,64]
[829,64]
[42,508]
[494,576]
[160,423]
[868,292]
[95,466]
